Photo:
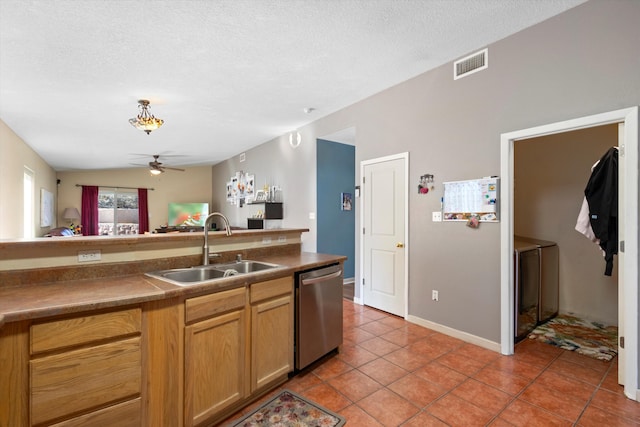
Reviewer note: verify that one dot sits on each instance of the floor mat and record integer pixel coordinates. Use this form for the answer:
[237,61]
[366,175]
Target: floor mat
[582,336]
[291,409]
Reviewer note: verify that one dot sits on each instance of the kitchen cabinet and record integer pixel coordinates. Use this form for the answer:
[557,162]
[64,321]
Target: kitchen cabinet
[86,370]
[272,313]
[238,344]
[215,354]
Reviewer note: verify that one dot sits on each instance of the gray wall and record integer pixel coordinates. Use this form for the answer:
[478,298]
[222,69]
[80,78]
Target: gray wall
[551,173]
[582,62]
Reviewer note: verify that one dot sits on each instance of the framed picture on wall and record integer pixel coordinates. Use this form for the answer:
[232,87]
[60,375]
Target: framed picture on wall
[229,191]
[347,201]
[260,196]
[46,208]
[249,187]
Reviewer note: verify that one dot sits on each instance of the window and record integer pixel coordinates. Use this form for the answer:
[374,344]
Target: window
[28,210]
[117,212]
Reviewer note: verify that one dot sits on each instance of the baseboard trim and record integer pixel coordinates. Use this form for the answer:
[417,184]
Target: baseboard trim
[357,301]
[464,336]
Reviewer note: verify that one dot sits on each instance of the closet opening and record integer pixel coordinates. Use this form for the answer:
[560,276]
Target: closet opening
[562,296]
[542,192]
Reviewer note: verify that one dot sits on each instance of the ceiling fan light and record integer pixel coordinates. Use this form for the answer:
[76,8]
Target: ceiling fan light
[155,171]
[145,121]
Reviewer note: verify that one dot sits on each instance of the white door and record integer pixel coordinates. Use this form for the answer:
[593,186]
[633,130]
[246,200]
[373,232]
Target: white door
[384,193]
[621,228]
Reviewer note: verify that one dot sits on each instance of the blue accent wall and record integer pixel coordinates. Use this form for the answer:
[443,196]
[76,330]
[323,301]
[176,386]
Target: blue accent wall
[336,172]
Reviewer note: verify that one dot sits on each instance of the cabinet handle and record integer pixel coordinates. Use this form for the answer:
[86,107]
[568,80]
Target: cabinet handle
[321,278]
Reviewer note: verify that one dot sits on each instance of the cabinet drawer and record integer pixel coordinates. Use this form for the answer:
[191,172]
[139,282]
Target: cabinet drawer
[85,329]
[126,414]
[209,305]
[77,381]
[271,288]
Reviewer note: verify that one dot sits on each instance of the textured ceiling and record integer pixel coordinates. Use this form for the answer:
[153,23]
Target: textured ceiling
[225,75]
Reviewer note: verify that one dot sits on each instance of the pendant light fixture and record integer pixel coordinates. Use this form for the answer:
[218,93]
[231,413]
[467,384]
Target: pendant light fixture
[145,121]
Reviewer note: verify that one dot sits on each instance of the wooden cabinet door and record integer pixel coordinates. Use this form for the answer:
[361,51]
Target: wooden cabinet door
[214,365]
[271,340]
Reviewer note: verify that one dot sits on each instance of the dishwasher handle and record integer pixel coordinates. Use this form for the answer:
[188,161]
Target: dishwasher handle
[315,280]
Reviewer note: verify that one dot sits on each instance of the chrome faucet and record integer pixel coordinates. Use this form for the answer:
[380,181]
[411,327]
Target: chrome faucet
[207,224]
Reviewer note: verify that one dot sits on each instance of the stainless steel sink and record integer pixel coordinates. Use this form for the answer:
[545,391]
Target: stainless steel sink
[243,267]
[207,273]
[190,275]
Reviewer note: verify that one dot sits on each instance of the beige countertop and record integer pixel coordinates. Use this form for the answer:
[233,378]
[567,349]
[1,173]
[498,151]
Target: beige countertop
[33,301]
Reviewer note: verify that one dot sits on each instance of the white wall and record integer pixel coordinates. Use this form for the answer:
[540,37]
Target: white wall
[275,163]
[550,174]
[192,185]
[15,155]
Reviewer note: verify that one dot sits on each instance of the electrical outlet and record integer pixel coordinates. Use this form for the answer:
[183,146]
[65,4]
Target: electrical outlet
[266,240]
[436,216]
[282,239]
[87,256]
[434,295]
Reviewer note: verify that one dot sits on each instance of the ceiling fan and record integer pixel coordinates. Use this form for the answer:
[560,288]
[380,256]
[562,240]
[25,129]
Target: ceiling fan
[156,167]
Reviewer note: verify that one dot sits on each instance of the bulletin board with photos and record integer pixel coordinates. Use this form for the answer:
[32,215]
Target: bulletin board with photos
[474,198]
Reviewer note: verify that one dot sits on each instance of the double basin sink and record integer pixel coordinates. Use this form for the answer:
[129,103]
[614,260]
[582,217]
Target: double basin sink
[206,273]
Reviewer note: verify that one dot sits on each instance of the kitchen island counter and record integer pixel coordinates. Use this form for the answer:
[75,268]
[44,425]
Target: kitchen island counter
[37,300]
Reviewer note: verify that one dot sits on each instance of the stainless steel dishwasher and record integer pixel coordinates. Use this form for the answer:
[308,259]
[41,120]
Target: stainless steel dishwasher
[318,313]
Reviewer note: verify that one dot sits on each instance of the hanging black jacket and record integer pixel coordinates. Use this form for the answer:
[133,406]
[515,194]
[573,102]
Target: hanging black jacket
[602,196]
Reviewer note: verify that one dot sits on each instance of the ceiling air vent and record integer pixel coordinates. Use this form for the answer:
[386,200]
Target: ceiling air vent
[471,64]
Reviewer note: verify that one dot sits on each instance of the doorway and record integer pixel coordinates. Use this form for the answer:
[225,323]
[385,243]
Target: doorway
[384,220]
[628,213]
[335,178]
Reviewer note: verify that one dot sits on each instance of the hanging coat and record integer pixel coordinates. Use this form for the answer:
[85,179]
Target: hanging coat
[602,196]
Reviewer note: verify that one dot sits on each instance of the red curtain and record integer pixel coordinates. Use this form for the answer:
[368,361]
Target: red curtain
[143,211]
[89,210]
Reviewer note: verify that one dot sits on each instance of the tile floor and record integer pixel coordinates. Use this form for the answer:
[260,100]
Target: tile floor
[394,373]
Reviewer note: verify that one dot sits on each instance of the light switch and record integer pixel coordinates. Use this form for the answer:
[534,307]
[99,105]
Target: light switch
[436,216]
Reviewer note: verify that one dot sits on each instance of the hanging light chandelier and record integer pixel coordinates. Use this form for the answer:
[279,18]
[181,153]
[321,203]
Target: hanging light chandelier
[145,121]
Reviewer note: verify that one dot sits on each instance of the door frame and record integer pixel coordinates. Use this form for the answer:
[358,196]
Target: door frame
[402,156]
[629,116]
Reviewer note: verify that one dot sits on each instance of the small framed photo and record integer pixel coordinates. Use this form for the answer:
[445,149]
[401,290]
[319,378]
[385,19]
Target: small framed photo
[347,201]
[229,191]
[249,187]
[260,196]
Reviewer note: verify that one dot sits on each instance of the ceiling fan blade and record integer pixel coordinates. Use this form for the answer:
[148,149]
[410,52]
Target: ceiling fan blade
[173,169]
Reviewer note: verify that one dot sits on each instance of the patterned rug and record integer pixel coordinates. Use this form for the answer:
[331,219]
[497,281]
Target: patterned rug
[289,409]
[582,336]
